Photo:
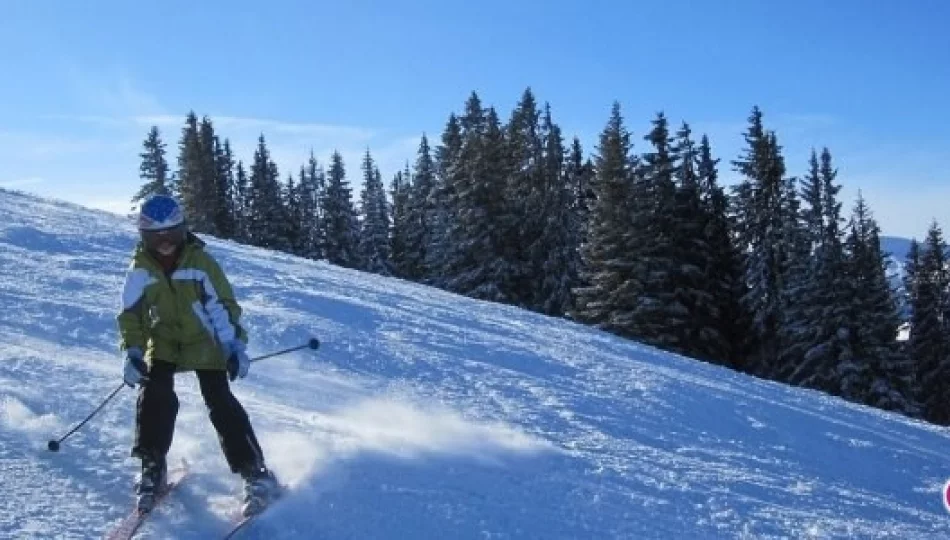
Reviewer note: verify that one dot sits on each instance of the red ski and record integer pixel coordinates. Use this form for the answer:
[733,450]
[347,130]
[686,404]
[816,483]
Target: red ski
[128,526]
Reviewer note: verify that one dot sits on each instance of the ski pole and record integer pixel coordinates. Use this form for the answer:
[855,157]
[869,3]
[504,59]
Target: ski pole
[313,343]
[53,444]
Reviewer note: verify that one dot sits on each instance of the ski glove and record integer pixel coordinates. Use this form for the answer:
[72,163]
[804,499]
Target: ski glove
[135,369]
[238,361]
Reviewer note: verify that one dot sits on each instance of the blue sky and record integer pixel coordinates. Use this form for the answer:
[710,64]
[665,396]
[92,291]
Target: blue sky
[84,82]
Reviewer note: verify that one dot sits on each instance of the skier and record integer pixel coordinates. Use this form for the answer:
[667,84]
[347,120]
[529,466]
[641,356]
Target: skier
[179,314]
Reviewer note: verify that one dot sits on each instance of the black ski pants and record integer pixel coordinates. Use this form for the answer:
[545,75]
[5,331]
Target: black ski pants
[157,409]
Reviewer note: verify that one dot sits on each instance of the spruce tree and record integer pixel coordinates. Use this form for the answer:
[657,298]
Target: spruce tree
[883,376]
[909,280]
[929,342]
[578,173]
[293,229]
[265,207]
[813,198]
[658,317]
[559,233]
[241,191]
[154,167]
[473,267]
[309,203]
[800,295]
[490,270]
[224,208]
[439,248]
[374,247]
[728,344]
[421,214]
[314,210]
[208,202]
[190,179]
[693,287]
[606,256]
[822,325]
[760,214]
[340,217]
[521,224]
[399,190]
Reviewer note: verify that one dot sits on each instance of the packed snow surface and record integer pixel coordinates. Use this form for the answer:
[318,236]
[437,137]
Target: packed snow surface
[426,415]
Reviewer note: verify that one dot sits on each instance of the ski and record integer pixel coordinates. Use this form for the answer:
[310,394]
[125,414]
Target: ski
[131,523]
[240,521]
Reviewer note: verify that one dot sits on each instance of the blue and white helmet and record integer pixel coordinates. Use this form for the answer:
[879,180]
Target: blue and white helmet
[160,212]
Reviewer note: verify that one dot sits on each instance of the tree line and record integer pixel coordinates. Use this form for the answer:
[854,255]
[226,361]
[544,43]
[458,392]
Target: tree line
[768,277]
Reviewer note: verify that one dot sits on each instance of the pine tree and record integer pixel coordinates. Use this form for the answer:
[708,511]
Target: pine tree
[224,212]
[190,180]
[399,190]
[800,295]
[154,167]
[293,230]
[473,267]
[439,248]
[761,215]
[813,197]
[340,218]
[315,192]
[521,224]
[910,282]
[241,210]
[559,234]
[929,342]
[210,199]
[577,175]
[606,256]
[839,289]
[882,375]
[309,204]
[421,214]
[374,247]
[821,324]
[911,266]
[728,342]
[265,208]
[693,287]
[658,317]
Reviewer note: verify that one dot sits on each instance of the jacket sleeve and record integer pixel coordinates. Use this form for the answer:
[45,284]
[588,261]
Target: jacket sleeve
[221,305]
[131,319]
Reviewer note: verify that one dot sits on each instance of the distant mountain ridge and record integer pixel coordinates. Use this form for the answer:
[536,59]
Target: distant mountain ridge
[895,249]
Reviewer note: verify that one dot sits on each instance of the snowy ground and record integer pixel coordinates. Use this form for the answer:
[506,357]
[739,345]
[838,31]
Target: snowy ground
[426,415]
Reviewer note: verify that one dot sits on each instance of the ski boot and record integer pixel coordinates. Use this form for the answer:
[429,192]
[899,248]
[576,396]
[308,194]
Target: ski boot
[261,488]
[151,481]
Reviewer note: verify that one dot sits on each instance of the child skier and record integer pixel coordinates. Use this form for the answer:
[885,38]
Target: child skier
[179,314]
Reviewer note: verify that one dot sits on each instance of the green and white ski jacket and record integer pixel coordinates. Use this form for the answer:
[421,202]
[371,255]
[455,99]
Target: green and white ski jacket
[184,318]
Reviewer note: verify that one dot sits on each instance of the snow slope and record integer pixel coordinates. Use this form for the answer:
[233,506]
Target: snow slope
[427,415]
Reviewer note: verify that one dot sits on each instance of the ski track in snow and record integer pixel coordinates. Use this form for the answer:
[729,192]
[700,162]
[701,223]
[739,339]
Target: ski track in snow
[427,415]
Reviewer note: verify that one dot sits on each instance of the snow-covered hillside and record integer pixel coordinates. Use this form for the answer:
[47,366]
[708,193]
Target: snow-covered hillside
[427,415]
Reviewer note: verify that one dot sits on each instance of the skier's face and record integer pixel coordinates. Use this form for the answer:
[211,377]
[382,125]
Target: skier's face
[165,241]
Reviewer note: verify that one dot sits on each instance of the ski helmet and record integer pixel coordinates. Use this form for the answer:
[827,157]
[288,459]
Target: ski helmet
[160,212]
[162,224]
